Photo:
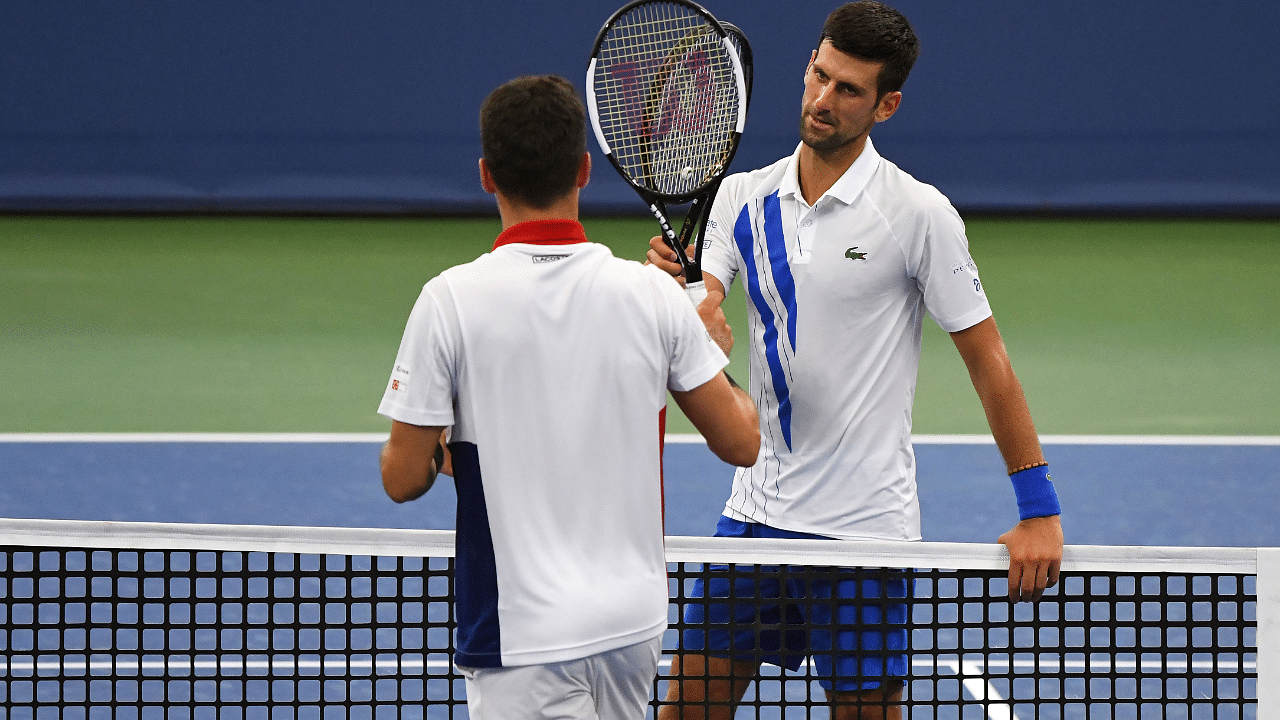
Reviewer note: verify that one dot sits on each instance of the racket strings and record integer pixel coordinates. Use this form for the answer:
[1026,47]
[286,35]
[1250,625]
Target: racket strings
[667,99]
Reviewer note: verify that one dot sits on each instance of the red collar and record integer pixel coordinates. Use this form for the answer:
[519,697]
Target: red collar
[543,232]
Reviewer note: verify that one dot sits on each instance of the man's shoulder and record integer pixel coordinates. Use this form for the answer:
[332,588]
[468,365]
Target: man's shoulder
[754,183]
[893,187]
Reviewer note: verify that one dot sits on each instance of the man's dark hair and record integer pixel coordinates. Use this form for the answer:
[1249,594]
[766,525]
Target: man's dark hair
[874,32]
[533,132]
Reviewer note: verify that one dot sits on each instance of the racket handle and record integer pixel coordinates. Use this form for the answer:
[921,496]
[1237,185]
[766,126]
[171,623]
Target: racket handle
[697,292]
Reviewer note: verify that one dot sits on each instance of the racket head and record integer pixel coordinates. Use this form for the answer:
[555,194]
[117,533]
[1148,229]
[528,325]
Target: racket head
[666,96]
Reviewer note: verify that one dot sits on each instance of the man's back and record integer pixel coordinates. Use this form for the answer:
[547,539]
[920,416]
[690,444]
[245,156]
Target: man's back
[558,358]
[548,362]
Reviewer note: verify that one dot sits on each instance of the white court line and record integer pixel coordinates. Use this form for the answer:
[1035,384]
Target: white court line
[671,438]
[926,664]
[193,437]
[972,673]
[1248,440]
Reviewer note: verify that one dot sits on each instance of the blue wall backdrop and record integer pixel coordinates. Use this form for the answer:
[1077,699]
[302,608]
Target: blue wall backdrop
[338,105]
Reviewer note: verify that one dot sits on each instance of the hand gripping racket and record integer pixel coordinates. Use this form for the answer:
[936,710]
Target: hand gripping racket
[667,98]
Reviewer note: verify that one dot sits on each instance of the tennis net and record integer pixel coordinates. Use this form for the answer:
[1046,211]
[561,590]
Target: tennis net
[155,620]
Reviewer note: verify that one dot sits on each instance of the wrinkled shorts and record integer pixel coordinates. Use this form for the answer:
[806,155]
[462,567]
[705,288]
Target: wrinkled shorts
[612,685]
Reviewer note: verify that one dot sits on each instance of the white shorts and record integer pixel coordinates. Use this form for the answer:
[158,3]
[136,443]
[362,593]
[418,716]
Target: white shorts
[612,685]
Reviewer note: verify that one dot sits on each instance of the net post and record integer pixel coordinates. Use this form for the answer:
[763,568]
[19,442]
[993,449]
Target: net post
[1268,609]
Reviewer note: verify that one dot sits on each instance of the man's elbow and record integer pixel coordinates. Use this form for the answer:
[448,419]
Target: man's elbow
[742,450]
[401,491]
[393,490]
[403,484]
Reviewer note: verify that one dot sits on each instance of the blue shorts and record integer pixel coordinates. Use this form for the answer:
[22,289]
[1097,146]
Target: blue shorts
[783,629]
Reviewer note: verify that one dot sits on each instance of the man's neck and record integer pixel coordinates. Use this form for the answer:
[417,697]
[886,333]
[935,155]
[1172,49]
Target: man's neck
[514,212]
[819,171]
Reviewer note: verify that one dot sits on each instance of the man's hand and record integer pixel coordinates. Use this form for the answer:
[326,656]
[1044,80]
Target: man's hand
[661,256]
[1035,556]
[444,458]
[714,320]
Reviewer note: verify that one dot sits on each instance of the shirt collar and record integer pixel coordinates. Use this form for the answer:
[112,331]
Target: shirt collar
[543,232]
[850,184]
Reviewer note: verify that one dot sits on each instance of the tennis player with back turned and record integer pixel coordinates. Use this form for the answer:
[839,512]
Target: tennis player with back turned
[550,361]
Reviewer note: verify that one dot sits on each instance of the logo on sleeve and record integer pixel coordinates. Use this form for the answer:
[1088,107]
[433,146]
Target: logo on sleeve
[400,378]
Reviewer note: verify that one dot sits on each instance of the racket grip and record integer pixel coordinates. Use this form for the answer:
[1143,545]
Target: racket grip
[696,291]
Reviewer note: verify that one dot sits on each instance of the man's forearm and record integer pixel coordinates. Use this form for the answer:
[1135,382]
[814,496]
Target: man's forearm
[1001,394]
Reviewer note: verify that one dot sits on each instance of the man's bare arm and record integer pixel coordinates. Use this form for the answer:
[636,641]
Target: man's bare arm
[410,460]
[726,417]
[1035,544]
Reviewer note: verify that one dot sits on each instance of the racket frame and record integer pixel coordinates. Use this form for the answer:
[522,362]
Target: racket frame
[699,198]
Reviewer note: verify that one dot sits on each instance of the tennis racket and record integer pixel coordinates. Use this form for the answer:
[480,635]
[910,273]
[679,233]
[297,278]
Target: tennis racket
[667,98]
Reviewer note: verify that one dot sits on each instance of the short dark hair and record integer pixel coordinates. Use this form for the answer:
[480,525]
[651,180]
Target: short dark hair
[874,32]
[533,133]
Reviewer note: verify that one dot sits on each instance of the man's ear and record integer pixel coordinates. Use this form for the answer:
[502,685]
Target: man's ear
[888,106]
[486,179]
[584,170]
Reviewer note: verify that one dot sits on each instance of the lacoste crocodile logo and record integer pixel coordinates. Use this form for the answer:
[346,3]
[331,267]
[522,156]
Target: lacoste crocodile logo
[853,254]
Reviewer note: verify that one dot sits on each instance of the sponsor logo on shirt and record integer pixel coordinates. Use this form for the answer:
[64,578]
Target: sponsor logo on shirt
[962,266]
[539,259]
[400,378]
[853,254]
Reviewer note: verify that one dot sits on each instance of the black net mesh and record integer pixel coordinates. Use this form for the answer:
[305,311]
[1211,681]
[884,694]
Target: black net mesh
[111,629]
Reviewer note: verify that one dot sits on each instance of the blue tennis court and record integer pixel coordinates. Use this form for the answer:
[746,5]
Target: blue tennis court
[1115,490]
[236,634]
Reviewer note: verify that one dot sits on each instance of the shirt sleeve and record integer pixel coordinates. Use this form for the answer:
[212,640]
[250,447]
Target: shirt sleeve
[946,273]
[420,391]
[719,251]
[694,357]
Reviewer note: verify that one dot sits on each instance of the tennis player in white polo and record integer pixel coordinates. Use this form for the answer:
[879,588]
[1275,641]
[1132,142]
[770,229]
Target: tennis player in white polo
[842,255]
[550,361]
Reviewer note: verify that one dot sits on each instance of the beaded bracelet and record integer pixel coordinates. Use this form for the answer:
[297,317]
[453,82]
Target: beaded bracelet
[1042,463]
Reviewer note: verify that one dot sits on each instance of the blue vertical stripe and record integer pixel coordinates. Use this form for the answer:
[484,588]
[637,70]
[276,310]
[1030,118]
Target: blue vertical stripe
[745,238]
[476,573]
[777,244]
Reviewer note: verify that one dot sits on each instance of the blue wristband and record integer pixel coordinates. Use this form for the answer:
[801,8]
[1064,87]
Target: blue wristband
[1034,489]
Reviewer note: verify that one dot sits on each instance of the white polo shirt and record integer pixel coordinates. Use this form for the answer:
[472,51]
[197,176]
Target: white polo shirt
[551,359]
[836,294]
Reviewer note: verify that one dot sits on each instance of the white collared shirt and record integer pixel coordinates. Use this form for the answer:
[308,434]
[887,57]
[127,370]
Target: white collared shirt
[550,360]
[837,293]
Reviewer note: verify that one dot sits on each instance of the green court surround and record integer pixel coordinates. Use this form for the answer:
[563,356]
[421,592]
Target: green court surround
[273,324]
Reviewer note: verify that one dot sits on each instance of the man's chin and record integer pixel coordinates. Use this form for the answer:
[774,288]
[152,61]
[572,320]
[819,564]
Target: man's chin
[824,143]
